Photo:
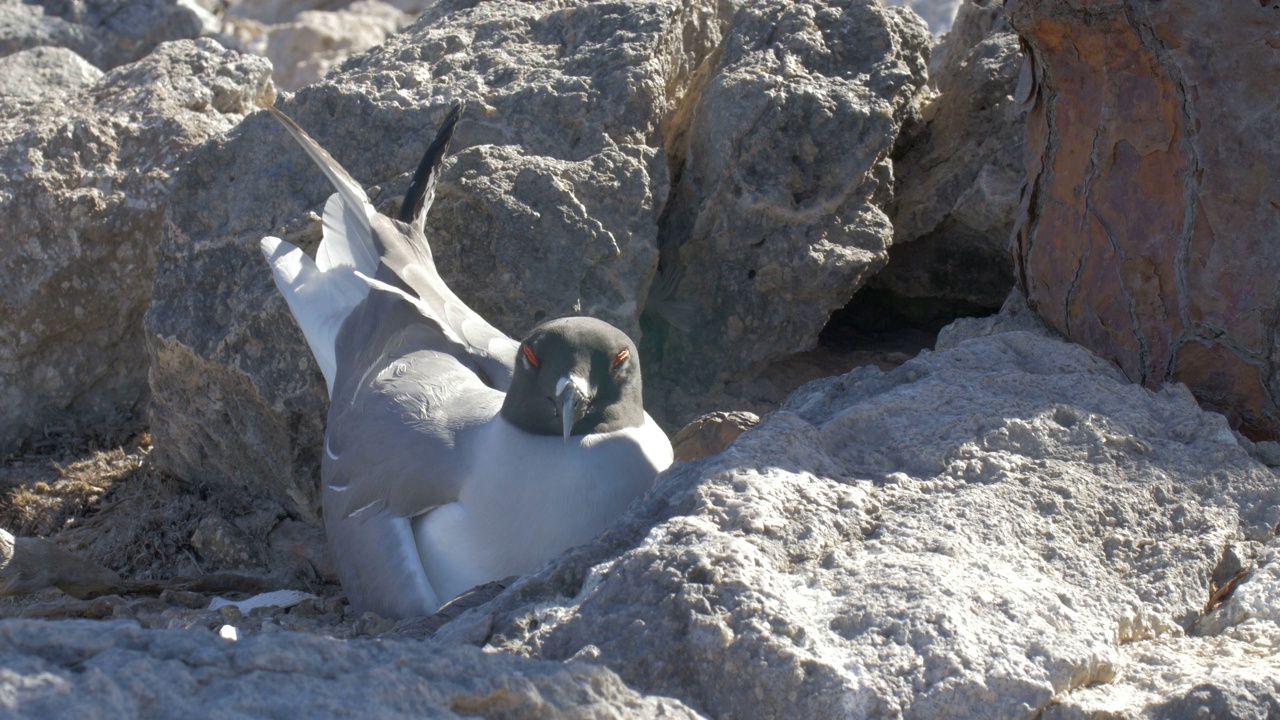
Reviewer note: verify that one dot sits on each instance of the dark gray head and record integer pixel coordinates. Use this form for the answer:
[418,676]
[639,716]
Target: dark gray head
[575,376]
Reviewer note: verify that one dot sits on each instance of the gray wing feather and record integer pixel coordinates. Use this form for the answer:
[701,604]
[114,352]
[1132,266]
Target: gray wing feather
[401,422]
[402,446]
[343,226]
[378,561]
[407,257]
[352,193]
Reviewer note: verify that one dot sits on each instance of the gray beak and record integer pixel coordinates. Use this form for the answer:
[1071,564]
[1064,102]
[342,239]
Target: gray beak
[572,403]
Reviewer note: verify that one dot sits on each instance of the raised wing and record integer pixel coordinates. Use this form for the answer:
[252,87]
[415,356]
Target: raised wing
[360,241]
[398,431]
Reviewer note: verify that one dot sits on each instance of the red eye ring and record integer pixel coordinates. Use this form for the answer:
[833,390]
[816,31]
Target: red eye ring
[528,354]
[621,358]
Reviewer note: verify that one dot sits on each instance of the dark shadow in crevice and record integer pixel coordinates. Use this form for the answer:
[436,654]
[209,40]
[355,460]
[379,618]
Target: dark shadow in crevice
[880,320]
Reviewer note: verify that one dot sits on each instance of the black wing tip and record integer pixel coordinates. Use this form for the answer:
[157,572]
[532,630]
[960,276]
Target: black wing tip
[455,112]
[429,166]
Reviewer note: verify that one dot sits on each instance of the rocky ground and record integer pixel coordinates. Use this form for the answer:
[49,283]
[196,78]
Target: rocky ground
[801,209]
[1040,537]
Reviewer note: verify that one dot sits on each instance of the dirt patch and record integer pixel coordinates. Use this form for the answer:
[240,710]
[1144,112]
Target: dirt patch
[113,507]
[110,506]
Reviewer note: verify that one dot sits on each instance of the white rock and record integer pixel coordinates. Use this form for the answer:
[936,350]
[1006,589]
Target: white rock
[43,71]
[114,669]
[277,598]
[304,49]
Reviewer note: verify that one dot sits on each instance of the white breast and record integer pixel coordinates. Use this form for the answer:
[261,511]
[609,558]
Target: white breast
[531,497]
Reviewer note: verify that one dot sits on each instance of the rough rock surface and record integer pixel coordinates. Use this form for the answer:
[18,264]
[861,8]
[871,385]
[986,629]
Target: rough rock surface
[938,13]
[1228,668]
[84,178]
[550,203]
[975,21]
[107,33]
[775,222]
[116,669]
[303,50]
[45,70]
[1004,527]
[1148,230]
[958,173]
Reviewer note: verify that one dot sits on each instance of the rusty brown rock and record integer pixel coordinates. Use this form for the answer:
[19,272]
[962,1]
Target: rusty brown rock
[1148,230]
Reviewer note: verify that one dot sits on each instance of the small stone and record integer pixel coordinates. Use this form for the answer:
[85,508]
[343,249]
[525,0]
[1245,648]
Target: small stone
[710,434]
[372,624]
[223,544]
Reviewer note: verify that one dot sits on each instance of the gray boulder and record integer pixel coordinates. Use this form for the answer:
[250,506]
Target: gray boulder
[960,170]
[84,178]
[107,33]
[975,21]
[42,71]
[778,214]
[116,669]
[1003,528]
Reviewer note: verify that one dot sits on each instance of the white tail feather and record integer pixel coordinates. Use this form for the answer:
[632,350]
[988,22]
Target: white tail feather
[321,293]
[320,300]
[347,242]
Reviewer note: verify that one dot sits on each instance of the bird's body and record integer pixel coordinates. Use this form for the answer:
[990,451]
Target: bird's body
[453,455]
[487,534]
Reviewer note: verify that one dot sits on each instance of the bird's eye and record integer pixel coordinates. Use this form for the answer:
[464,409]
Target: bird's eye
[530,359]
[620,358]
